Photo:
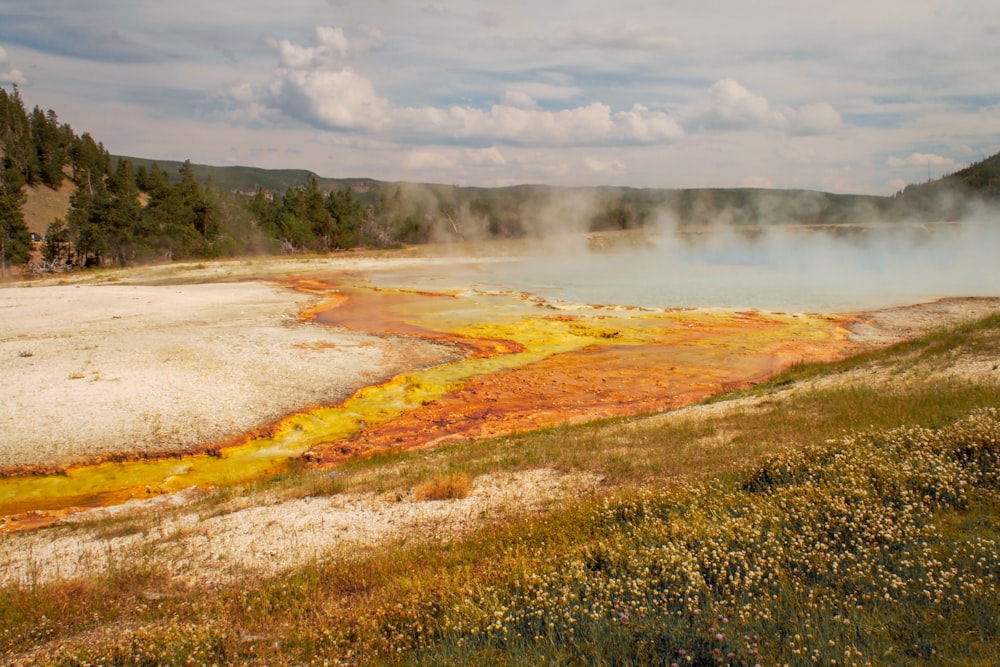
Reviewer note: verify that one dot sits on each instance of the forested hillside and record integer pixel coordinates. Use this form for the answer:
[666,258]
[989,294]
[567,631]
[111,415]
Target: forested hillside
[130,210]
[952,197]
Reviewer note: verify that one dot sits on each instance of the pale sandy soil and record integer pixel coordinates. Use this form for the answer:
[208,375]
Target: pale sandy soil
[130,367]
[91,371]
[265,536]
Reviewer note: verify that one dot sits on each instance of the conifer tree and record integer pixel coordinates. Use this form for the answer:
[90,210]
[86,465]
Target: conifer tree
[15,239]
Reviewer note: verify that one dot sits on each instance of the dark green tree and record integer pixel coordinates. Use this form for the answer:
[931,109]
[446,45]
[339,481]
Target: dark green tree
[56,247]
[15,239]
[347,216]
[51,152]
[89,220]
[124,231]
[306,204]
[15,136]
[88,157]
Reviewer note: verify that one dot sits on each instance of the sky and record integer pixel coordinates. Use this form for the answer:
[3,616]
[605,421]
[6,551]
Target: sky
[847,96]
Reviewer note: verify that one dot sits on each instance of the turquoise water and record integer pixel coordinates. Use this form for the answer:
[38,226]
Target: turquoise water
[780,270]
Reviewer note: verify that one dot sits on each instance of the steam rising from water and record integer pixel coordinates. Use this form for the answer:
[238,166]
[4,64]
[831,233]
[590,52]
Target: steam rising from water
[777,268]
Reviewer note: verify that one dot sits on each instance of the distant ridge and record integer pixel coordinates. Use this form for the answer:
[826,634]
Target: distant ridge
[951,197]
[810,205]
[248,179]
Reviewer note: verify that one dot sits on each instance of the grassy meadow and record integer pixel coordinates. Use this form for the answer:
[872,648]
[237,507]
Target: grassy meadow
[841,514]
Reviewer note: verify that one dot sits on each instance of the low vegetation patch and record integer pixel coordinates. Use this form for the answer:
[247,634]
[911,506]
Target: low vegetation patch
[444,487]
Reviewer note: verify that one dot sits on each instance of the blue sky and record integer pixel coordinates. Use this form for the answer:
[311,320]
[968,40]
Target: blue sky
[844,96]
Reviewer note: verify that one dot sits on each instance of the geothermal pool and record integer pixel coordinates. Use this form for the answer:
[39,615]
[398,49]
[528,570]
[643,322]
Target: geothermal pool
[784,269]
[578,332]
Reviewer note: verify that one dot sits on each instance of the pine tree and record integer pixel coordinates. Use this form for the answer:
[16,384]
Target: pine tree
[348,215]
[50,147]
[15,136]
[15,239]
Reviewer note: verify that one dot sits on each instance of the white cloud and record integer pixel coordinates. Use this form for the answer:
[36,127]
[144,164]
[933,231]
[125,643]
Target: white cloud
[426,159]
[639,124]
[732,107]
[514,121]
[921,160]
[313,84]
[14,76]
[519,100]
[599,166]
[491,157]
[330,99]
[816,118]
[241,93]
[331,46]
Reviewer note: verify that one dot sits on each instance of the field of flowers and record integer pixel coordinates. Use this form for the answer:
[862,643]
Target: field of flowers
[836,554]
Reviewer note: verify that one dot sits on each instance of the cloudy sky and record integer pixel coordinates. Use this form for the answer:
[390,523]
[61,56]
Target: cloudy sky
[845,96]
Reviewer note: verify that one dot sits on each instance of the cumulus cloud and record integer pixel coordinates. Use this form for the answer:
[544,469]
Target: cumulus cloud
[921,160]
[14,76]
[317,85]
[731,106]
[640,124]
[332,99]
[519,121]
[331,45]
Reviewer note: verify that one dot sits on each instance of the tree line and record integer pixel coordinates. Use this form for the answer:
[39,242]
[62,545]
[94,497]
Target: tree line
[120,214]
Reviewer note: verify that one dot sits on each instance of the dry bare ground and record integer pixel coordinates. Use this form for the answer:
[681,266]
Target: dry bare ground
[258,535]
[92,370]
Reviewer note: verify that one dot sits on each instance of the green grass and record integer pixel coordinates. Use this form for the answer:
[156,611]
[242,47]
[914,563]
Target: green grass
[850,522]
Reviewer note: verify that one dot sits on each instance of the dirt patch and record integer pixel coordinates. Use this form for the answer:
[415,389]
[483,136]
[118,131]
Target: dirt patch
[880,328]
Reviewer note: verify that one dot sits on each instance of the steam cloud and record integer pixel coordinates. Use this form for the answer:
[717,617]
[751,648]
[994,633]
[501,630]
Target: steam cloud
[788,268]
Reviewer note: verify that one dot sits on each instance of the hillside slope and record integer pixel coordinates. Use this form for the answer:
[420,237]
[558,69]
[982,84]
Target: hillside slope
[43,205]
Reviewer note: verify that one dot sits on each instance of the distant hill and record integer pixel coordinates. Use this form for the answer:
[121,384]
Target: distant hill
[625,206]
[951,197]
[502,209]
[248,179]
[982,178]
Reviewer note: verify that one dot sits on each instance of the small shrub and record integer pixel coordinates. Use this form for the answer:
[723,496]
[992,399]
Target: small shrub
[444,487]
